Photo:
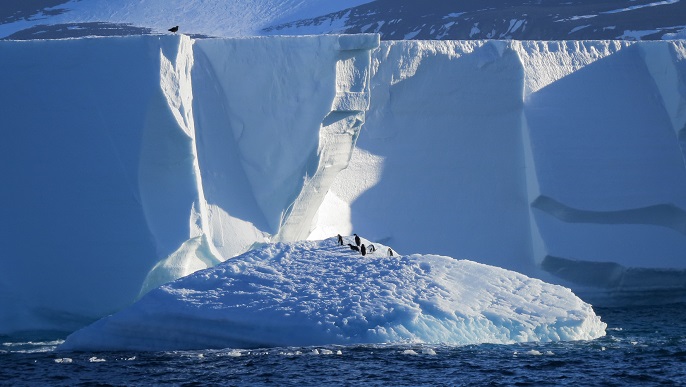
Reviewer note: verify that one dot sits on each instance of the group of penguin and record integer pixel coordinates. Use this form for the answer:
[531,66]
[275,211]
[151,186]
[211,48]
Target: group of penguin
[358,246]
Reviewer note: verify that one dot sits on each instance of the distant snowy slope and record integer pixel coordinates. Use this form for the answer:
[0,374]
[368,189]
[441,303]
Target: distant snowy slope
[317,292]
[502,19]
[199,17]
[393,19]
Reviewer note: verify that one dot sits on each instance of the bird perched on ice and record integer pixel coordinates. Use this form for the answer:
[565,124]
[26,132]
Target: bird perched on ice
[363,250]
[353,247]
[340,239]
[357,239]
[173,29]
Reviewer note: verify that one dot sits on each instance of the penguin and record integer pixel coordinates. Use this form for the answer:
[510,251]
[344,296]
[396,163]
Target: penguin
[357,239]
[363,250]
[340,239]
[390,252]
[371,248]
[173,29]
[353,247]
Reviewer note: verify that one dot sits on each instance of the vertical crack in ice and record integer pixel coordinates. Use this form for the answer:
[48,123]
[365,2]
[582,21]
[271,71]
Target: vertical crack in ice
[337,135]
[533,189]
[176,85]
[538,248]
[197,252]
[666,62]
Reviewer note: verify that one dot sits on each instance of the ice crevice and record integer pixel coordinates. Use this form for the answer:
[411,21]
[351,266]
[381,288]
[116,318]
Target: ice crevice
[666,64]
[337,135]
[198,252]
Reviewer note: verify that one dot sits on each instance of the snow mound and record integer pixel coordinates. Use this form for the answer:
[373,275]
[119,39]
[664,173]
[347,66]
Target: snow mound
[318,292]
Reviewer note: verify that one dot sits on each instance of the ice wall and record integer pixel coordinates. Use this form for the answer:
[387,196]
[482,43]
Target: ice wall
[611,182]
[131,162]
[565,156]
[98,164]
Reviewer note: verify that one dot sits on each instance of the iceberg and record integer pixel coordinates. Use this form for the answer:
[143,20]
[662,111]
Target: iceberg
[319,292]
[132,161]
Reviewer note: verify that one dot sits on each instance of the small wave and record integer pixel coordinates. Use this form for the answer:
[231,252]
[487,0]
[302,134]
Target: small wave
[30,346]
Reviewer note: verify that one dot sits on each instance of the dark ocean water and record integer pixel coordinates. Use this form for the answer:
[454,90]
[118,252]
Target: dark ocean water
[643,346]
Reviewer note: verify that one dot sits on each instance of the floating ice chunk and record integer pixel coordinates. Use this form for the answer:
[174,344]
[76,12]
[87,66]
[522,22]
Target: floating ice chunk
[318,292]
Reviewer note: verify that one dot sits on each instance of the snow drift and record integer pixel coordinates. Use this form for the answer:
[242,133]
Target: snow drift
[318,292]
[133,161]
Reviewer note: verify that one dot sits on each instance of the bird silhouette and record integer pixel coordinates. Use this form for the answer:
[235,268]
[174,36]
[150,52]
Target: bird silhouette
[173,29]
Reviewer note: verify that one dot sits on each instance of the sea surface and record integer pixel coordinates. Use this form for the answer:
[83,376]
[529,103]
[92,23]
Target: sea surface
[643,346]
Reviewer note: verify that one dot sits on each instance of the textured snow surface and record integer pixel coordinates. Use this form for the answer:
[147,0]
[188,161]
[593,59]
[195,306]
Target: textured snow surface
[318,292]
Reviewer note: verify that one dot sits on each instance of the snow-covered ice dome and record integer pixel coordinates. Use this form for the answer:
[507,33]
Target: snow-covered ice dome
[318,292]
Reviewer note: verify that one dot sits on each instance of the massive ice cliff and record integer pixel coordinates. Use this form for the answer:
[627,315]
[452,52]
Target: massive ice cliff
[132,161]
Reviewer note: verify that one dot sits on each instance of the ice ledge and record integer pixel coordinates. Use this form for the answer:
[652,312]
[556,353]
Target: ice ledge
[665,215]
[610,283]
[351,101]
